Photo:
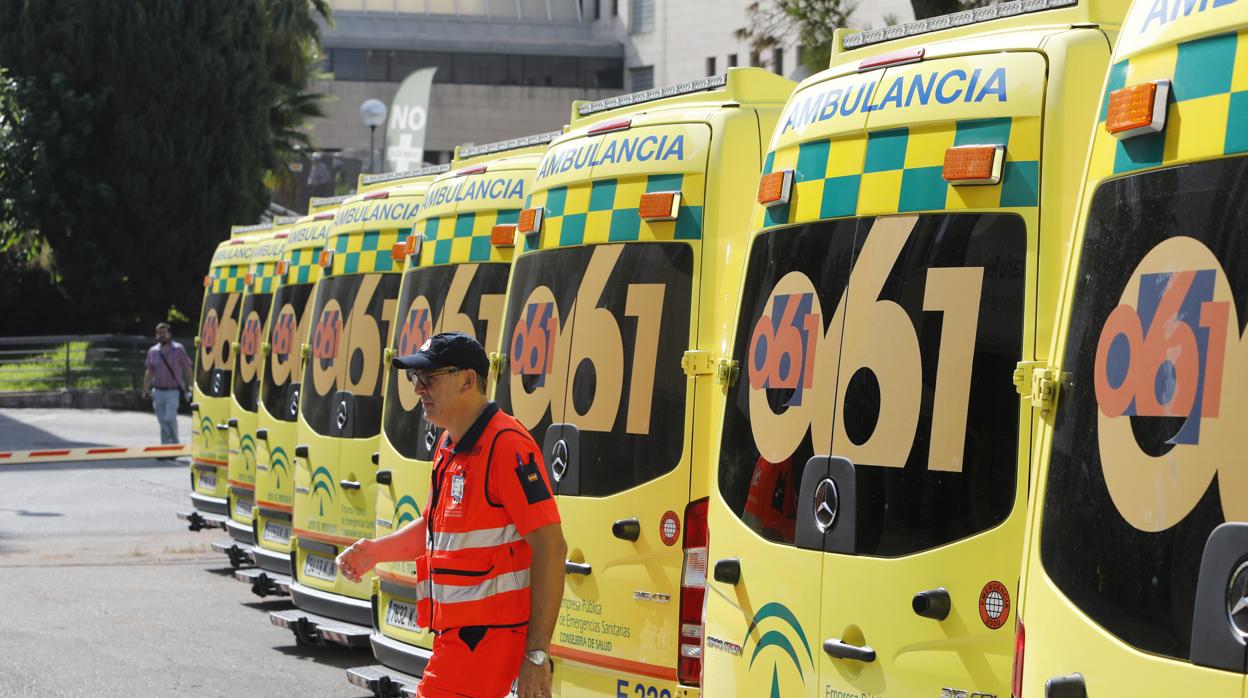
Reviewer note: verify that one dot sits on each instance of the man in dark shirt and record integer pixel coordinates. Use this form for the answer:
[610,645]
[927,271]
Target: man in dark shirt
[167,374]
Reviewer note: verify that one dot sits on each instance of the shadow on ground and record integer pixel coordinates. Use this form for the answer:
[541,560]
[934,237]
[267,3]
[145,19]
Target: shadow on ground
[16,435]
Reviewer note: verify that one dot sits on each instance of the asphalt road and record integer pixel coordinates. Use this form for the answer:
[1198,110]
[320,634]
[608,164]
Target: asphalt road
[103,592]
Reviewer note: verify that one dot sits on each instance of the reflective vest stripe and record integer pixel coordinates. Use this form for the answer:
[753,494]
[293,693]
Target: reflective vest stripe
[444,541]
[503,583]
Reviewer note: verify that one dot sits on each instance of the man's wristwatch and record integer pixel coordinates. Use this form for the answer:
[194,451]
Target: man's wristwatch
[537,657]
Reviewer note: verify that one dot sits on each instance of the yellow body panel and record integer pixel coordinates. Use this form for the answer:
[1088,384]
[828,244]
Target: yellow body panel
[214,362]
[456,284]
[867,148]
[352,307]
[259,286]
[1137,493]
[281,375]
[600,292]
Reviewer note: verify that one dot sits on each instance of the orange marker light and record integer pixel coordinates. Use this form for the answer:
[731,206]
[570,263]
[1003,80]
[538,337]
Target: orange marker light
[973,164]
[398,251]
[530,221]
[207,280]
[327,258]
[248,278]
[659,206]
[282,267]
[414,243]
[774,189]
[1138,109]
[503,235]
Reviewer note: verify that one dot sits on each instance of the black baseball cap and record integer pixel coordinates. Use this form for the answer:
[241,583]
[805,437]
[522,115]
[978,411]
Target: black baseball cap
[447,350]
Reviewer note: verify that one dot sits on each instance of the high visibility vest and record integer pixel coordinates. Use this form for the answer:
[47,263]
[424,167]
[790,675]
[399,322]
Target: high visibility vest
[475,570]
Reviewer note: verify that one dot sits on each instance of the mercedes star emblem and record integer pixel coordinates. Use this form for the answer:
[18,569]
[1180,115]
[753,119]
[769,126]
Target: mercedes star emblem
[559,459]
[1237,600]
[342,414]
[827,502]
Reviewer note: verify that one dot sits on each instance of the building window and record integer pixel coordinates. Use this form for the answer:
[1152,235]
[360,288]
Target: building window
[615,8]
[777,55]
[643,16]
[597,9]
[477,68]
[732,60]
[641,78]
[710,65]
[755,60]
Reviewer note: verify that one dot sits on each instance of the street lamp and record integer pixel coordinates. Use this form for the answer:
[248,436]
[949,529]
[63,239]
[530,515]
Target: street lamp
[373,112]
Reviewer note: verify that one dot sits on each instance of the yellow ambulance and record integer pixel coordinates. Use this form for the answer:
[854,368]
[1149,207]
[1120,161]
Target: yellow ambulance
[340,404]
[278,405]
[618,305]
[214,366]
[258,286]
[871,483]
[454,281]
[1136,574]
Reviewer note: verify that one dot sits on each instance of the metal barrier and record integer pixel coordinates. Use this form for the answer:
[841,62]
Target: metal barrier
[72,362]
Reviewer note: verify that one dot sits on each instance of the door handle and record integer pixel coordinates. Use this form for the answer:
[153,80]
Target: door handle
[301,451]
[194,406]
[223,427]
[844,650]
[728,571]
[626,529]
[934,603]
[577,567]
[349,484]
[376,457]
[262,434]
[1068,686]
[384,477]
[231,423]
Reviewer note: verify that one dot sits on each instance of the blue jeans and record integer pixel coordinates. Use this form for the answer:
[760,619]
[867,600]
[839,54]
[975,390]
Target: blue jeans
[165,402]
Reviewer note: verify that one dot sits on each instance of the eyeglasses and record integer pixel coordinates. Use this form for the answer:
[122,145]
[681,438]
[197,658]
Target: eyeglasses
[424,379]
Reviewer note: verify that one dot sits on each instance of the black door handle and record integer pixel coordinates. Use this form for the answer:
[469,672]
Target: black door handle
[301,451]
[194,406]
[844,650]
[376,457]
[576,567]
[728,571]
[384,477]
[626,529]
[223,427]
[1068,686]
[349,484]
[231,423]
[262,434]
[934,603]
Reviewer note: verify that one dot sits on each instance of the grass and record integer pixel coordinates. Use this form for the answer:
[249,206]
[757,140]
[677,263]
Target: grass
[90,367]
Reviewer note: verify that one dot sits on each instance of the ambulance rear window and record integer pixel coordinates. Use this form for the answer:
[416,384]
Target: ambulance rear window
[475,296]
[287,331]
[247,357]
[888,341]
[214,358]
[1147,433]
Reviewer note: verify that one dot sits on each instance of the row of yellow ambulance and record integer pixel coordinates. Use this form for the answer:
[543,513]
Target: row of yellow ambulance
[919,378]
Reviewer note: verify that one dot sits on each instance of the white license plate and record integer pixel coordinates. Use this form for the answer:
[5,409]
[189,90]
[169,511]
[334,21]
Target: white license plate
[276,532]
[319,567]
[402,615]
[207,479]
[242,507]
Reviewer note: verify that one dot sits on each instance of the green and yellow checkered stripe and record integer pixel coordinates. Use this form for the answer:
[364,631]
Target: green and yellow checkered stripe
[454,239]
[1208,112]
[228,278]
[899,170]
[303,266]
[367,252]
[264,277]
[605,210]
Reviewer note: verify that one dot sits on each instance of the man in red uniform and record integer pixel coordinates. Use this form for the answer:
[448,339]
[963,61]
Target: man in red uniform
[489,549]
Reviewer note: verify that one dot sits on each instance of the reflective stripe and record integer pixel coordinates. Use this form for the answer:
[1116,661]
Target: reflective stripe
[503,583]
[482,538]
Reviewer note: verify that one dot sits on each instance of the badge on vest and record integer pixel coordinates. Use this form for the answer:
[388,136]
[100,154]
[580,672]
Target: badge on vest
[457,488]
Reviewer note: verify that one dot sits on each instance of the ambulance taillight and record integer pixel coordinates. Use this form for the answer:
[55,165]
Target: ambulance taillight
[377,195]
[503,236]
[1137,110]
[693,593]
[973,164]
[609,126]
[398,252]
[327,259]
[774,189]
[659,206]
[530,222]
[1020,643]
[282,267]
[248,278]
[207,280]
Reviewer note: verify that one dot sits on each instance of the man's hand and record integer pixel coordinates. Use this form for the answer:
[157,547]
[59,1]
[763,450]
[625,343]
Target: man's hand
[358,559]
[534,680]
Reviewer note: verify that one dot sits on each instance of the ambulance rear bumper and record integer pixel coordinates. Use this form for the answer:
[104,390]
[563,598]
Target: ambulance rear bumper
[198,520]
[271,560]
[210,505]
[382,681]
[398,656]
[263,582]
[243,534]
[313,628]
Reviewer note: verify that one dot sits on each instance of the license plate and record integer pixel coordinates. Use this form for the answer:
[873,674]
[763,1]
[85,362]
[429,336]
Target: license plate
[207,480]
[319,567]
[242,507]
[276,532]
[402,615]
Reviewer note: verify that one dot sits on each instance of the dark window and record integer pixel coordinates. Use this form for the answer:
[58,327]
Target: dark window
[710,65]
[642,16]
[404,63]
[478,68]
[778,60]
[793,402]
[422,312]
[603,73]
[615,8]
[247,368]
[755,59]
[287,331]
[597,9]
[732,60]
[359,64]
[341,391]
[641,78]
[636,434]
[214,360]
[1122,539]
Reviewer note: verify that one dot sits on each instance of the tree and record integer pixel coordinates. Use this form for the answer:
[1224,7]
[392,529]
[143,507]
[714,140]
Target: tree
[293,53]
[135,133]
[934,8]
[770,23]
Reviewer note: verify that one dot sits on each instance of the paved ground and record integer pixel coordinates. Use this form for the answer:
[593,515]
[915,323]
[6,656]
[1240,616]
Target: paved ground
[103,592]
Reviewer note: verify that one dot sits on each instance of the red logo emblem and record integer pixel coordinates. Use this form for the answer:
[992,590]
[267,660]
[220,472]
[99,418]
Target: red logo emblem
[994,604]
[669,528]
